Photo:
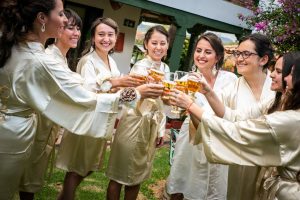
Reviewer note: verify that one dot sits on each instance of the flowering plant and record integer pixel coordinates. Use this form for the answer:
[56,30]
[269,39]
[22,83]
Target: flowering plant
[279,20]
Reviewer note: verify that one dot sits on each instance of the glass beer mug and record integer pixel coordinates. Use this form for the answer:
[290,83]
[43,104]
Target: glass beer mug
[169,83]
[193,84]
[181,84]
[139,70]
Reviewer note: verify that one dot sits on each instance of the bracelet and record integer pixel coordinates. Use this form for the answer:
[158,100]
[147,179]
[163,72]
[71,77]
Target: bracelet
[188,108]
[128,95]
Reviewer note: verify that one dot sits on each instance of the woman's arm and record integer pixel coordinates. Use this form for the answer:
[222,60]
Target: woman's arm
[249,142]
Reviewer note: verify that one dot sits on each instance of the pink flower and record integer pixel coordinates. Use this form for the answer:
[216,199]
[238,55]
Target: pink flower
[261,26]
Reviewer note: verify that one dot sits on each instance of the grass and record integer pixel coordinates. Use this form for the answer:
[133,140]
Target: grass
[94,186]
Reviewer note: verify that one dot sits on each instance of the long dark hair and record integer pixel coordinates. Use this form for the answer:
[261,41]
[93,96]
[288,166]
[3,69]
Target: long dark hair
[75,20]
[103,20]
[292,97]
[289,59]
[263,46]
[16,19]
[216,44]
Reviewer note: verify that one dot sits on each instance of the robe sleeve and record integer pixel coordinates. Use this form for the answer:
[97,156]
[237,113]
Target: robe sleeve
[249,113]
[58,94]
[251,142]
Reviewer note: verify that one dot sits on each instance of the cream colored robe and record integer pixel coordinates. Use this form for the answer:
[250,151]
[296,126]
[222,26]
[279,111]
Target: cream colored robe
[82,154]
[271,140]
[33,82]
[191,174]
[33,177]
[134,144]
[242,179]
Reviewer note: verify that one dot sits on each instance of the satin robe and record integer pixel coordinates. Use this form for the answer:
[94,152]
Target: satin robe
[83,154]
[33,178]
[242,179]
[134,144]
[33,82]
[271,140]
[191,174]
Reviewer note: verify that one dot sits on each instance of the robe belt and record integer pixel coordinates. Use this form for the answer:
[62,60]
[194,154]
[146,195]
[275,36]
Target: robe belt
[4,114]
[271,183]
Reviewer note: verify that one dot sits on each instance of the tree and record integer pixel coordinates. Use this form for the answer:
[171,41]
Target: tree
[279,20]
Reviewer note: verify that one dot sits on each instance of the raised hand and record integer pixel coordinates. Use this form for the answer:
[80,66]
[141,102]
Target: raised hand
[150,90]
[180,99]
[127,81]
[206,88]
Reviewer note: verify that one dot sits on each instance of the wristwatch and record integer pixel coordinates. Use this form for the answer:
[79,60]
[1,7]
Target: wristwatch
[106,86]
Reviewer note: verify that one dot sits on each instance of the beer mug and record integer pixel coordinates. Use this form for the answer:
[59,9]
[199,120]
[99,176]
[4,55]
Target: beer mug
[181,81]
[193,84]
[139,70]
[157,75]
[155,65]
[169,83]
[181,84]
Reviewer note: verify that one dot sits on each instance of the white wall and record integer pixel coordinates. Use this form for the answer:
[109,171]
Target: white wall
[128,12]
[219,10]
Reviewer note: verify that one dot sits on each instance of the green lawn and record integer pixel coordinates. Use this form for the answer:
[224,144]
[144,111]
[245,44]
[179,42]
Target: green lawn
[94,186]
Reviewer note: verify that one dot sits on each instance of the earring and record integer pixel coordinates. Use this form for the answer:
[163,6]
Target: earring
[194,68]
[214,71]
[43,28]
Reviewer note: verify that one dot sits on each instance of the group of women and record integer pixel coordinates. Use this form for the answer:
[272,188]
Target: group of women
[249,130]
[39,93]
[235,122]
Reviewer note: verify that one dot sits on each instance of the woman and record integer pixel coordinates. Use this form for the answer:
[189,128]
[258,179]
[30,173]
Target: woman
[96,67]
[253,55]
[140,129]
[33,82]
[260,142]
[278,85]
[191,176]
[33,178]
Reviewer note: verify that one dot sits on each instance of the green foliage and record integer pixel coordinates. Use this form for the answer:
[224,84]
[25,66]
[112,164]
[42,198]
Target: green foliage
[184,52]
[279,20]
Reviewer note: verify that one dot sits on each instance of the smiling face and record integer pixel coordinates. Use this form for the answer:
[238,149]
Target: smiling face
[56,21]
[105,38]
[276,76]
[205,56]
[157,46]
[251,65]
[70,35]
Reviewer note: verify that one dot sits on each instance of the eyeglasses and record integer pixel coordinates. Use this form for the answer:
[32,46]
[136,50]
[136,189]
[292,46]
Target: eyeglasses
[244,54]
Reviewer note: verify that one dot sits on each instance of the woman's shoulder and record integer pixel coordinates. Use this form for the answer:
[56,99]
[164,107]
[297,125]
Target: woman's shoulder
[228,74]
[112,60]
[87,59]
[142,61]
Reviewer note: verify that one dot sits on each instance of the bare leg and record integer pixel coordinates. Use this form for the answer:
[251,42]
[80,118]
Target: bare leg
[176,196]
[113,190]
[26,195]
[131,192]
[71,182]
